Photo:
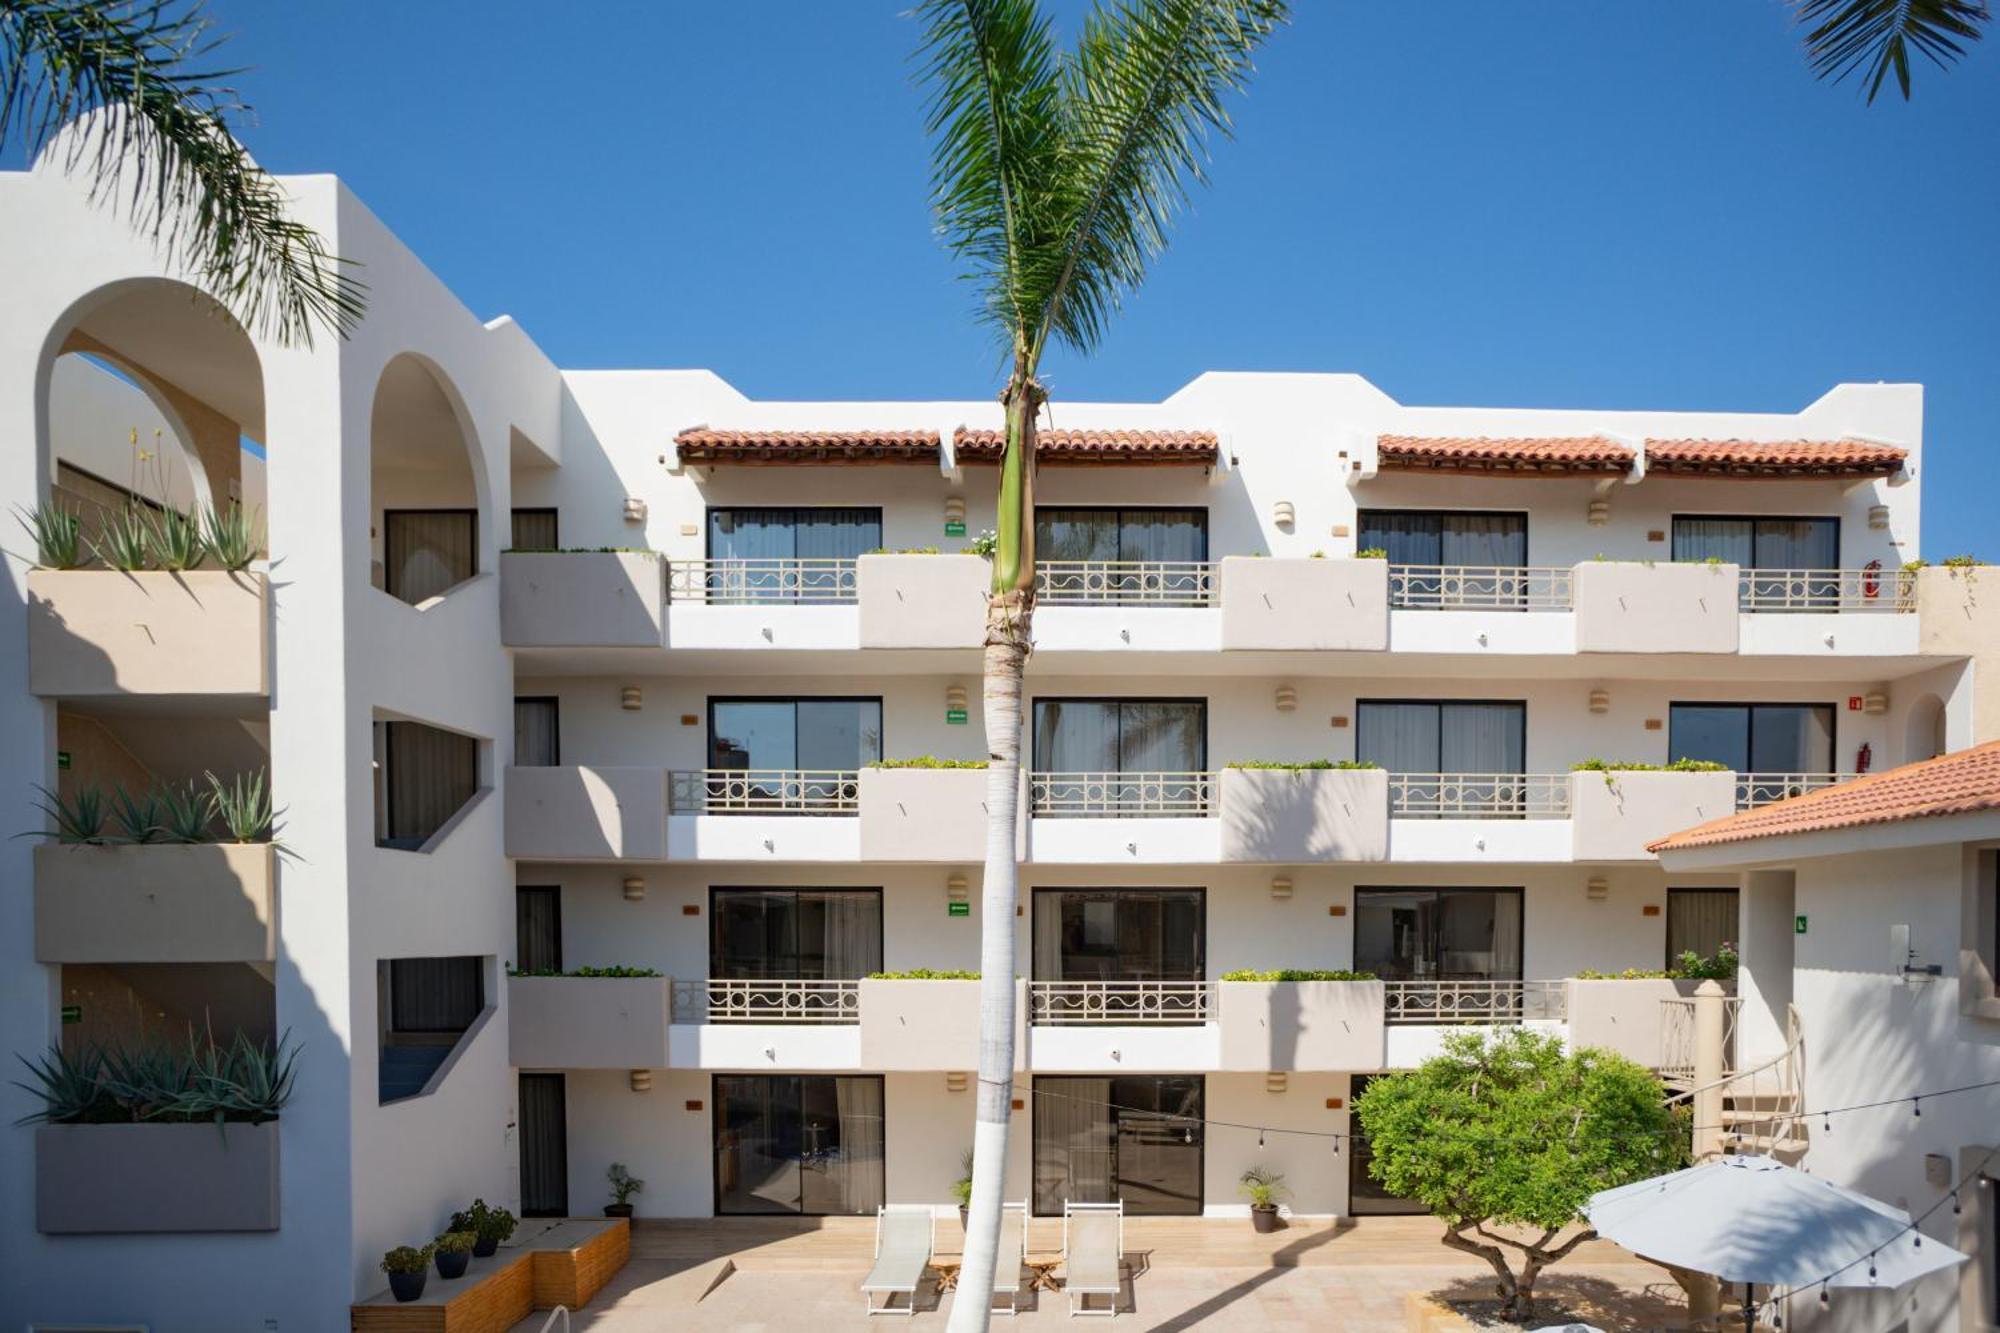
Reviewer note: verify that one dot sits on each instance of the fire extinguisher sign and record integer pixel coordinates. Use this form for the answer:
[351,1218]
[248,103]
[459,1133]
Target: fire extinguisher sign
[1853,703]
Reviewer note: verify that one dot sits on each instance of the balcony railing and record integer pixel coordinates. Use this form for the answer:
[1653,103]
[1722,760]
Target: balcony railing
[1676,1060]
[762,582]
[1479,588]
[1891,590]
[1445,1002]
[1125,583]
[734,1001]
[1063,1003]
[1120,795]
[1479,795]
[764,791]
[1755,789]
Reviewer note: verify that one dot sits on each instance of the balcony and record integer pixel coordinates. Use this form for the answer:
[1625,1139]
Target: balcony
[582,599]
[1099,818]
[156,1178]
[763,604]
[1627,607]
[1304,605]
[1479,816]
[1481,608]
[1755,789]
[1291,815]
[1135,1026]
[926,814]
[1867,612]
[588,1022]
[164,903]
[1615,815]
[96,633]
[929,1025]
[1127,605]
[923,601]
[1419,1014]
[750,814]
[586,814]
[766,1024]
[1649,1020]
[1302,1026]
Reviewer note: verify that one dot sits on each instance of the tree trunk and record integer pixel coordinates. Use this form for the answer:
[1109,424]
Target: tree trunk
[1009,620]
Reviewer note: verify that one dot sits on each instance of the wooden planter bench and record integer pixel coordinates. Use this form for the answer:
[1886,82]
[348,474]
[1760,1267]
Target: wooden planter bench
[566,1263]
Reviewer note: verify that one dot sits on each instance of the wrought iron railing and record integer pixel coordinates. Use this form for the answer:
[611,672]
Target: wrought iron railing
[764,791]
[740,1001]
[1125,583]
[1480,588]
[1120,795]
[757,582]
[1677,1037]
[1058,1003]
[1755,789]
[1891,590]
[1446,1002]
[1479,795]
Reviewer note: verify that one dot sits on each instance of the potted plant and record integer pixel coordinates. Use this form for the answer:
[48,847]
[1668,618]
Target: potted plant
[489,1225]
[1264,1188]
[962,1187]
[407,1267]
[454,1252]
[623,1186]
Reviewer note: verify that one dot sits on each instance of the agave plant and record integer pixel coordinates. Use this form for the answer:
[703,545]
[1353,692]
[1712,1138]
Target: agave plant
[149,1082]
[70,1086]
[235,535]
[139,815]
[177,540]
[186,811]
[244,806]
[125,537]
[58,534]
[248,1081]
[80,818]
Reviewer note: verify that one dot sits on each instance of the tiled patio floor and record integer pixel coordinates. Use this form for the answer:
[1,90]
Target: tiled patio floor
[1207,1275]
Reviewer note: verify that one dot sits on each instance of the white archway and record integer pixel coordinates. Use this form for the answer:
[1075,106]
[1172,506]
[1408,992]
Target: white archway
[1924,730]
[427,483]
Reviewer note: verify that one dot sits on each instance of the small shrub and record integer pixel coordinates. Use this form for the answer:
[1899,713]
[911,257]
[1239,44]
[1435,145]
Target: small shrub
[1303,766]
[455,1242]
[1372,553]
[1296,974]
[1962,562]
[985,544]
[1632,766]
[924,974]
[494,1224]
[614,971]
[58,534]
[902,550]
[1690,966]
[623,1183]
[926,761]
[961,1188]
[408,1258]
[1264,1187]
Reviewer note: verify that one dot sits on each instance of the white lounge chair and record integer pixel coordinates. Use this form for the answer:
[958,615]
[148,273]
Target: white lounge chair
[1093,1255]
[904,1236]
[1012,1255]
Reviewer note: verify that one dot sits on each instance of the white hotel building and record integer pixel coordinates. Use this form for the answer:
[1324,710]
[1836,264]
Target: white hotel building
[563,670]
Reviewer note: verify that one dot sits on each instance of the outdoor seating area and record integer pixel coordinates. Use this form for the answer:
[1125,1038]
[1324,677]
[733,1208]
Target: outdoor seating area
[549,1263]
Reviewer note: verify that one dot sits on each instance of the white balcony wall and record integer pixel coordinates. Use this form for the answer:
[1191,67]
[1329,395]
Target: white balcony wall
[774,1047]
[1626,607]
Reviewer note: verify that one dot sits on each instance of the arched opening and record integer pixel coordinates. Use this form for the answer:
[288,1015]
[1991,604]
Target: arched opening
[1924,733]
[424,484]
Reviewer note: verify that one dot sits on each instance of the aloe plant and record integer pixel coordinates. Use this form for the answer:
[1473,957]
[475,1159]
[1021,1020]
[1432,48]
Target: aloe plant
[205,1081]
[58,534]
[235,535]
[79,818]
[125,538]
[177,540]
[243,804]
[69,1084]
[186,812]
[139,815]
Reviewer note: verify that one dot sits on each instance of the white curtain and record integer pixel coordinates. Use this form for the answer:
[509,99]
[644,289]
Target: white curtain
[853,939]
[1729,540]
[1506,962]
[858,1176]
[1072,1142]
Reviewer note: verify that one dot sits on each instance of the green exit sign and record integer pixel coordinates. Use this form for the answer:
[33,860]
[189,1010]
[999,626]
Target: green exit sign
[958,909]
[62,759]
[954,527]
[1799,924]
[954,717]
[72,1013]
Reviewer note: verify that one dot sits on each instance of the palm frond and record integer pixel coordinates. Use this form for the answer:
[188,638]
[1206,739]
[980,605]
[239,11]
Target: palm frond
[1874,38]
[165,151]
[1142,97]
[995,123]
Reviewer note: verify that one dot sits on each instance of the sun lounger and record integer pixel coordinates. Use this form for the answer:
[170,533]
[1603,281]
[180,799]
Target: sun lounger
[1093,1254]
[1012,1255]
[903,1239]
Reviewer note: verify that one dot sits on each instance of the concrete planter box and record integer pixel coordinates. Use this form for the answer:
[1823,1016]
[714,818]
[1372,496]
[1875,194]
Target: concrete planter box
[588,1022]
[1613,816]
[582,599]
[1325,814]
[1626,607]
[153,1178]
[207,903]
[1305,605]
[1302,1025]
[928,814]
[1625,1016]
[930,1025]
[923,601]
[98,632]
[587,814]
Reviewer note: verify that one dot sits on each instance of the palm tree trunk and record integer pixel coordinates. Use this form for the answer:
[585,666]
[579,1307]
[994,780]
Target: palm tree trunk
[1009,618]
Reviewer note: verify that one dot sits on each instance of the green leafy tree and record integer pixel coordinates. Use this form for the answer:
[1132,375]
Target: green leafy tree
[1875,38]
[162,151]
[1504,1139]
[1054,176]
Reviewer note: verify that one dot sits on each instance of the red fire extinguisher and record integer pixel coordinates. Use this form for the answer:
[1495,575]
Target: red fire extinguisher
[1871,580]
[1863,757]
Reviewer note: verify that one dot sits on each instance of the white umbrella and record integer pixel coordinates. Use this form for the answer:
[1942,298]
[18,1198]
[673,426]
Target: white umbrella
[1756,1220]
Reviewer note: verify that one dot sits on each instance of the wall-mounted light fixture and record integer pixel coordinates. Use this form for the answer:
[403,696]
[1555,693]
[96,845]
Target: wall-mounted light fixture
[956,886]
[1282,513]
[1286,697]
[642,1080]
[1875,702]
[955,1081]
[1281,886]
[954,702]
[635,888]
[635,509]
[1275,1082]
[1878,516]
[1597,888]
[630,698]
[1600,701]
[954,510]
[1598,514]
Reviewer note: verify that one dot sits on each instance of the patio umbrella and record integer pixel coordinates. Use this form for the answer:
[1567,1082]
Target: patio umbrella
[1755,1220]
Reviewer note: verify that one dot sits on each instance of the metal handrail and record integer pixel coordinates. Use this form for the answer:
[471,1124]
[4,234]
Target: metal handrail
[1773,1088]
[764,791]
[1448,1001]
[1479,795]
[1120,795]
[1125,582]
[731,1000]
[1481,587]
[1676,1061]
[755,582]
[1058,1003]
[1755,789]
[1877,589]
[550,1322]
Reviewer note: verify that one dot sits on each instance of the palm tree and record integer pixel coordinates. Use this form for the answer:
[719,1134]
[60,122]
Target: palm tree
[163,151]
[1054,178]
[1874,38]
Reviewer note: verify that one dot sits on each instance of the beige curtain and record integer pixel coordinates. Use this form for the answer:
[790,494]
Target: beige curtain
[431,773]
[1073,1135]
[1701,920]
[859,1174]
[429,551]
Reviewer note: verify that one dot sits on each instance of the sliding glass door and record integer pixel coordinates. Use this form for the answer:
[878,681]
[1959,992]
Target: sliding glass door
[1118,538]
[1119,935]
[801,752]
[1135,1140]
[794,934]
[789,554]
[1124,756]
[1788,563]
[1466,756]
[801,1144]
[1481,550]
[1754,738]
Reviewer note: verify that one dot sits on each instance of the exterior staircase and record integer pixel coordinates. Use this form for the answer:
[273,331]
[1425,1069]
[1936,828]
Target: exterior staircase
[1758,1108]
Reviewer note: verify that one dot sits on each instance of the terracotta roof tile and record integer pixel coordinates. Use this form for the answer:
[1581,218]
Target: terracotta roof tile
[1097,445]
[1774,458]
[1961,783]
[701,445]
[1480,453]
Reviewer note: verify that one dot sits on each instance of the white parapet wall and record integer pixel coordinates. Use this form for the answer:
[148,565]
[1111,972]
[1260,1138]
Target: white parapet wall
[1309,605]
[1628,607]
[582,599]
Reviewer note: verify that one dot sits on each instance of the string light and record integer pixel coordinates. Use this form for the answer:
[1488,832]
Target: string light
[1917,1107]
[1823,1299]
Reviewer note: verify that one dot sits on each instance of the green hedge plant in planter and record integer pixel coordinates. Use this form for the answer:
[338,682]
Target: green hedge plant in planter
[1265,1189]
[407,1266]
[623,1186]
[453,1251]
[489,1225]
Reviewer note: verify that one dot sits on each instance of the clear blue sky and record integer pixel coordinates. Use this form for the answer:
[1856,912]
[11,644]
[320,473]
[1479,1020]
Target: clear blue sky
[1646,203]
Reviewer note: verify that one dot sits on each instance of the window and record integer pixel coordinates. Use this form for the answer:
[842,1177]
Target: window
[425,776]
[535,530]
[1446,537]
[537,735]
[1107,1140]
[429,551]
[1700,921]
[794,934]
[1120,935]
[1116,541]
[820,538]
[808,1144]
[426,1006]
[544,1103]
[538,928]
[1778,546]
[838,734]
[1438,934]
[1753,738]
[1111,757]
[1480,745]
